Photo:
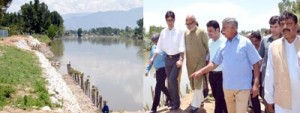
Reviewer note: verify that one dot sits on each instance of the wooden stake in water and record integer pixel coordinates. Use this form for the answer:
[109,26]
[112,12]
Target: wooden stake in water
[81,81]
[69,68]
[97,97]
[100,102]
[93,94]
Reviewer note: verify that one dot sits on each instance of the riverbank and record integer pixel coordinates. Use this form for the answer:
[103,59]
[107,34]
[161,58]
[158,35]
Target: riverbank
[59,93]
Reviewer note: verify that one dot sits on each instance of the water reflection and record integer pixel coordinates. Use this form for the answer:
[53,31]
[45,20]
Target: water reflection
[57,47]
[115,66]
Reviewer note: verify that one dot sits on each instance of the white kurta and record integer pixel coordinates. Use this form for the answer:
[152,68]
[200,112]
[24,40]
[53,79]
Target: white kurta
[294,72]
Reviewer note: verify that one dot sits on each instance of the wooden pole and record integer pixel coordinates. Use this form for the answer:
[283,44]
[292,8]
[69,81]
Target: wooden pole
[86,86]
[81,81]
[74,77]
[97,97]
[93,94]
[78,77]
[100,102]
[69,68]
[89,89]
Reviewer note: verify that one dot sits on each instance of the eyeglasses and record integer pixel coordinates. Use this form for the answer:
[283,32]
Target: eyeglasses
[188,24]
[170,20]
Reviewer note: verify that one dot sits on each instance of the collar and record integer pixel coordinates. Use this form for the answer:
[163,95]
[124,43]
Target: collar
[235,38]
[171,29]
[285,41]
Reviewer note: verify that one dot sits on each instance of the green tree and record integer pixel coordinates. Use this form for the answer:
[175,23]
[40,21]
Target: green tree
[154,29]
[27,13]
[285,5]
[52,31]
[79,32]
[58,21]
[139,31]
[4,4]
[36,16]
[291,6]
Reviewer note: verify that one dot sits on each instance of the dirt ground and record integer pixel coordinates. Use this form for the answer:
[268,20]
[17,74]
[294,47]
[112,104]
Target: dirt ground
[209,104]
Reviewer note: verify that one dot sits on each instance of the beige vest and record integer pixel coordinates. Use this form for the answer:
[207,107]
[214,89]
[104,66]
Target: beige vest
[282,85]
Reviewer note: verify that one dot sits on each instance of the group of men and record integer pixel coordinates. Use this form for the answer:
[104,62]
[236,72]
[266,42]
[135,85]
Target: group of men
[239,68]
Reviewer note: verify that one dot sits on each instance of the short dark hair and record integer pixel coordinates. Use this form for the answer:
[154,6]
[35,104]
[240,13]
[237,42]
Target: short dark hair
[155,37]
[170,14]
[213,23]
[255,34]
[288,15]
[273,20]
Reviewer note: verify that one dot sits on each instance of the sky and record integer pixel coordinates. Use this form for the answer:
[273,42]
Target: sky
[250,14]
[81,6]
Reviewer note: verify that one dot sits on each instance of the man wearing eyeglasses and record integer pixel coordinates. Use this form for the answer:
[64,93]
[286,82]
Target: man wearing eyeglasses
[172,42]
[196,44]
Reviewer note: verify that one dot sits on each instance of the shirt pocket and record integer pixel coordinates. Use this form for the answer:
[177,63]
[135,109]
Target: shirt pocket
[241,55]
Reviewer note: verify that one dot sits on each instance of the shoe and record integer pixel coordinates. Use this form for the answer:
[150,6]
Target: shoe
[174,108]
[153,111]
[193,110]
[168,103]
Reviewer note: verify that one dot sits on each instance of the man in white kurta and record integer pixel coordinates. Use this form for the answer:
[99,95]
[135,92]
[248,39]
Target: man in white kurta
[294,72]
[289,52]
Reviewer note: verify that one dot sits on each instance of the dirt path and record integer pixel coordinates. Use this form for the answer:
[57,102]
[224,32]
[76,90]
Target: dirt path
[85,103]
[209,104]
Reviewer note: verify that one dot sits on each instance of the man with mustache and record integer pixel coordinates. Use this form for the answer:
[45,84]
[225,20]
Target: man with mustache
[282,79]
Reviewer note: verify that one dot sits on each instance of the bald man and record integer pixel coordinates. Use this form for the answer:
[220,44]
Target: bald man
[196,44]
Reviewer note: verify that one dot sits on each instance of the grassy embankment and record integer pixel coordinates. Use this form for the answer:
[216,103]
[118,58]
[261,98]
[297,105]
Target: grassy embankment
[42,38]
[21,81]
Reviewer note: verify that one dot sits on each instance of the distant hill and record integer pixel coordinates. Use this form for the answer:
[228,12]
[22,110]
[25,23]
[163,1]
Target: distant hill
[115,19]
